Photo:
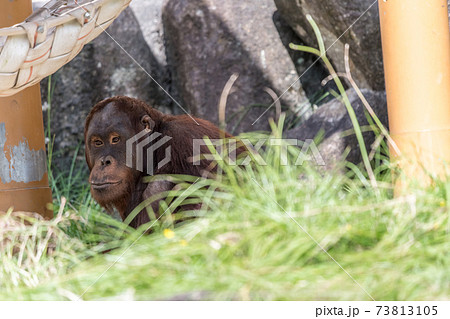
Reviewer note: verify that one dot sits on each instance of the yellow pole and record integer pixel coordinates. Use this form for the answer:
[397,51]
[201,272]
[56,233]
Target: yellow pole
[416,50]
[23,174]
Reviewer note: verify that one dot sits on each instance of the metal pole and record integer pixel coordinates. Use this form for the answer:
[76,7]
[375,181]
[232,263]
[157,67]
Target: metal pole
[416,50]
[23,172]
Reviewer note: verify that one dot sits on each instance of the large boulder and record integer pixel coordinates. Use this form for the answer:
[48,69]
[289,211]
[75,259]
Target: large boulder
[149,16]
[333,122]
[310,72]
[209,40]
[341,22]
[118,62]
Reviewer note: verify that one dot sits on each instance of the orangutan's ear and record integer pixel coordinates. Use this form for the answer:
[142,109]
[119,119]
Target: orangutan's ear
[148,123]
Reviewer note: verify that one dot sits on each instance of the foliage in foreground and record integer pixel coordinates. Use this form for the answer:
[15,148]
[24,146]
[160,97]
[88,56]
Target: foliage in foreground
[258,237]
[269,232]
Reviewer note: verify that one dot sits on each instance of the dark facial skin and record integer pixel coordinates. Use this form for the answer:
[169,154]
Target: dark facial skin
[114,185]
[106,137]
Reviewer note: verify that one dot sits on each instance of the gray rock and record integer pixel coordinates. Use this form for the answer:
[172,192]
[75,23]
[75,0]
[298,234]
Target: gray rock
[148,13]
[332,120]
[209,40]
[310,72]
[334,18]
[101,70]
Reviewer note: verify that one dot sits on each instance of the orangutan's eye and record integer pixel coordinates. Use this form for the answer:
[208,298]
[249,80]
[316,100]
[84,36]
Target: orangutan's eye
[115,140]
[98,143]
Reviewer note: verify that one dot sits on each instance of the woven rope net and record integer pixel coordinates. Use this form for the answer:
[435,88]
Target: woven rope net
[49,38]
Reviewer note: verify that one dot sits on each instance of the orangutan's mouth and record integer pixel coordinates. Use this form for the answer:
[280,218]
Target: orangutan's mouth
[103,185]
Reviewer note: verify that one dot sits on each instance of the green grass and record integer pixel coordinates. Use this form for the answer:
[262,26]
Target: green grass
[269,232]
[244,245]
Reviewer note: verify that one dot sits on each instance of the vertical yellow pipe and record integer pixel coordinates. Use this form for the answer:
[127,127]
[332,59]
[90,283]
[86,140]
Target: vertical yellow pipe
[416,50]
[23,176]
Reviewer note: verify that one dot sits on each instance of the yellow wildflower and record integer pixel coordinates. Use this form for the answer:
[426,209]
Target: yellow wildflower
[168,233]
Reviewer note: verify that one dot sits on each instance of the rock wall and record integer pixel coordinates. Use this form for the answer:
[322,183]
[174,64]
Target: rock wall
[209,40]
[174,53]
[341,22]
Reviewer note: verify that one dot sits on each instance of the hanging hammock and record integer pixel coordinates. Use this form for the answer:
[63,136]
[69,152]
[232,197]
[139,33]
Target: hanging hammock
[51,37]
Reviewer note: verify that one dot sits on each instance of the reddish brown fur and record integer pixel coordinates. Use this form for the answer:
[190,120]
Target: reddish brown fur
[115,120]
